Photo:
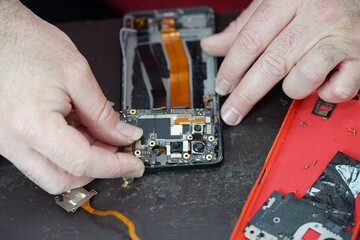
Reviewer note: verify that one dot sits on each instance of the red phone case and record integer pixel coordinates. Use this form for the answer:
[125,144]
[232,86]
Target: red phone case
[304,146]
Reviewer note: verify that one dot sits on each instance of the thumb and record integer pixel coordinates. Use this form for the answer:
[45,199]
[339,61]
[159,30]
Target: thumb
[220,43]
[95,112]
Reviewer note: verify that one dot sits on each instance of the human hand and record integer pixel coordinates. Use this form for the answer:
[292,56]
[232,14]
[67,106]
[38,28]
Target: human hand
[314,44]
[56,125]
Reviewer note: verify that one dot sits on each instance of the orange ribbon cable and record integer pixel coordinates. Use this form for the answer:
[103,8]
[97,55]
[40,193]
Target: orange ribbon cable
[179,66]
[132,234]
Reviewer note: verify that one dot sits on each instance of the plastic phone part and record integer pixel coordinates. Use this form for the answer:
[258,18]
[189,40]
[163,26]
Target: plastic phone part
[336,189]
[304,138]
[168,88]
[327,208]
[323,108]
[287,217]
[73,199]
[162,56]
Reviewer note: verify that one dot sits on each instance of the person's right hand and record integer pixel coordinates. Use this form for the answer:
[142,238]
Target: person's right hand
[312,45]
[56,127]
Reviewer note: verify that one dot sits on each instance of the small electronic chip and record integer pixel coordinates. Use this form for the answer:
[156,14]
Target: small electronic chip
[174,136]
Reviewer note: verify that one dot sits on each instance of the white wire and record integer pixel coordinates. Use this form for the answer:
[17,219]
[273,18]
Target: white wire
[124,32]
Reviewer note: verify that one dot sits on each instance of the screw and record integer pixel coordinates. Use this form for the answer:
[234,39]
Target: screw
[303,124]
[352,131]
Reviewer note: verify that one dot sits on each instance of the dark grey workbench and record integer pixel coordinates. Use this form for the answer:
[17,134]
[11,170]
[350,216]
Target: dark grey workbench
[195,204]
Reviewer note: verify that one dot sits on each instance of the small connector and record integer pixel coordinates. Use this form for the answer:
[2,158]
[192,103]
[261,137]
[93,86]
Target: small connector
[127,181]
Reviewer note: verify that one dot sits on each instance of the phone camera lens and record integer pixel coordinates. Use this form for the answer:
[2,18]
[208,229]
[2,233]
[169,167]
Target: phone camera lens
[176,146]
[198,147]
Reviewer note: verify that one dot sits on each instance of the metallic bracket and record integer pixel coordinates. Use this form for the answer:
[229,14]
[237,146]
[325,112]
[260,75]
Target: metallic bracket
[73,199]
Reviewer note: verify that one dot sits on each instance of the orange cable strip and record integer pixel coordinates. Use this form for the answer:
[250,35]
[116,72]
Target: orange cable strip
[179,67]
[132,234]
[188,120]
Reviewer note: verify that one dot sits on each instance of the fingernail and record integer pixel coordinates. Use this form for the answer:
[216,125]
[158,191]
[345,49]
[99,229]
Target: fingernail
[111,103]
[130,131]
[345,92]
[231,116]
[223,87]
[137,134]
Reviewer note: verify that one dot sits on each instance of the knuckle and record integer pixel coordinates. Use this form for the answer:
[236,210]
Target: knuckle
[104,114]
[248,43]
[243,99]
[77,67]
[292,91]
[78,167]
[233,25]
[290,40]
[81,64]
[229,70]
[273,66]
[310,73]
[327,53]
[325,10]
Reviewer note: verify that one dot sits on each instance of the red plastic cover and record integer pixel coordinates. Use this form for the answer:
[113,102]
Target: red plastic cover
[304,146]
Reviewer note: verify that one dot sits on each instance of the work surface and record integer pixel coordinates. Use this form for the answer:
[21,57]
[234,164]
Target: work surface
[193,204]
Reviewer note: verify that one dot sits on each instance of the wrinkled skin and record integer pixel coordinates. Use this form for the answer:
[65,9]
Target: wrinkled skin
[314,45]
[56,127]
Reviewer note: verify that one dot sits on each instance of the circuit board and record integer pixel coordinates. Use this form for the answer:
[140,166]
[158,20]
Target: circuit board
[168,87]
[174,136]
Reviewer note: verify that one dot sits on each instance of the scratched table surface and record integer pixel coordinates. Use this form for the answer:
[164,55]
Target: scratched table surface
[191,204]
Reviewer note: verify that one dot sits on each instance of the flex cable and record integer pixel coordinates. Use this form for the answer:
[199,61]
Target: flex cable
[131,227]
[152,74]
[179,67]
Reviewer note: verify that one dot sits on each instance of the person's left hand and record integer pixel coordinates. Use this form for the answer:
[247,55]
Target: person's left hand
[314,44]
[57,126]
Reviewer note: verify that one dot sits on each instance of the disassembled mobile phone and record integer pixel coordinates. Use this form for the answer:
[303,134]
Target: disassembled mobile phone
[287,217]
[168,87]
[309,185]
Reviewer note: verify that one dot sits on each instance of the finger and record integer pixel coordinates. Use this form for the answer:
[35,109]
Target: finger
[313,68]
[46,174]
[94,142]
[105,146]
[70,150]
[343,84]
[269,19]
[276,61]
[220,43]
[73,121]
[96,113]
